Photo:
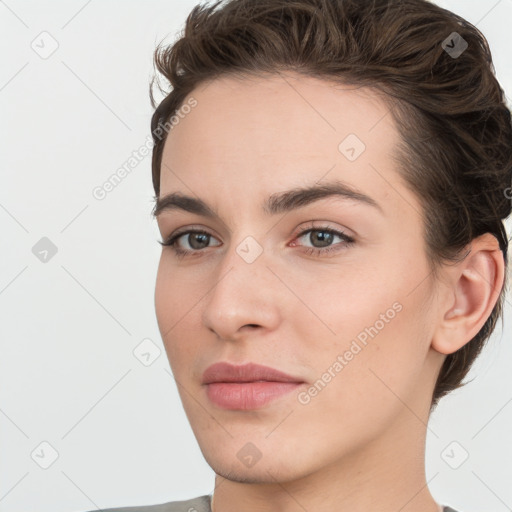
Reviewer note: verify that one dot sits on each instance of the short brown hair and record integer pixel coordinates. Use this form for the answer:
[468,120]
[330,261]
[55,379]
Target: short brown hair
[456,131]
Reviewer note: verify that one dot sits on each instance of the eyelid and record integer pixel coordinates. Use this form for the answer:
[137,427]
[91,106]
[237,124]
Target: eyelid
[310,225]
[347,240]
[326,225]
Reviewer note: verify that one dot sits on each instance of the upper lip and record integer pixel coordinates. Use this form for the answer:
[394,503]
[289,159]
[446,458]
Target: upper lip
[250,372]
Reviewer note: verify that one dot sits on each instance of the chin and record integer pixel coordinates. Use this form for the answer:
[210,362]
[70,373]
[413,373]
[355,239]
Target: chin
[228,462]
[260,475]
[241,476]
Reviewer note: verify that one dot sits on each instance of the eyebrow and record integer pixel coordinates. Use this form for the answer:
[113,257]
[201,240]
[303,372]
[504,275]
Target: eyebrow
[277,203]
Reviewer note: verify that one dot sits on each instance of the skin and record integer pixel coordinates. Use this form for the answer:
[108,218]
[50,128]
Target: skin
[359,444]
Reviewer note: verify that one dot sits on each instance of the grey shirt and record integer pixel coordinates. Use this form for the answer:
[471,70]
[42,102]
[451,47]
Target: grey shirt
[200,504]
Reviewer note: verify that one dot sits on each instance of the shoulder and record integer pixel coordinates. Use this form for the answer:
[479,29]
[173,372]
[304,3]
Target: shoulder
[199,504]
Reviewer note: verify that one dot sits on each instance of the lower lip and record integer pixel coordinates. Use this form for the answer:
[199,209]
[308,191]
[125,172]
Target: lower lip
[247,395]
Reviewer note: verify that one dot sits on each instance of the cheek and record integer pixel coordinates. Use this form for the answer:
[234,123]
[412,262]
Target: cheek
[164,298]
[171,306]
[369,330]
[360,387]
[178,303]
[173,296]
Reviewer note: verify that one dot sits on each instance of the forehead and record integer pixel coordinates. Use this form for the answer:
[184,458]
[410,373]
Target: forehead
[269,131]
[299,109]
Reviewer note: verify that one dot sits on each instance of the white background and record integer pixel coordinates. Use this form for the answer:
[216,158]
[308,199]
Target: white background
[68,327]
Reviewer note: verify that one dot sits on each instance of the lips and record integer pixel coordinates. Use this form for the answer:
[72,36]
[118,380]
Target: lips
[246,387]
[250,372]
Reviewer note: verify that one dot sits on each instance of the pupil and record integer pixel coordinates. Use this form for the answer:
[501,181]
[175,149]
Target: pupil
[192,241]
[324,239]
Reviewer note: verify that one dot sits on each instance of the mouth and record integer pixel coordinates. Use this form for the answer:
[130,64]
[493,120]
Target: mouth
[246,387]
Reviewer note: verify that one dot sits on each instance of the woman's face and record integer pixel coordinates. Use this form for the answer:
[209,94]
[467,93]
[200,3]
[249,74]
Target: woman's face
[349,315]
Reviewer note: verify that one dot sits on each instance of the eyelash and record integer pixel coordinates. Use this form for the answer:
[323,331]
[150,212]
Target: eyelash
[347,241]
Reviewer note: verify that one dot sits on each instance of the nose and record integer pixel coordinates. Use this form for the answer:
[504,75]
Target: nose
[245,296]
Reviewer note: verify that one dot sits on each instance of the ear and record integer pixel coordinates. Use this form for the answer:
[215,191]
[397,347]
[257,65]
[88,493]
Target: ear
[472,290]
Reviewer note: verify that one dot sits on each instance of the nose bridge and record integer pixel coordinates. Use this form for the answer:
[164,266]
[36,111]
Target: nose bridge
[240,295]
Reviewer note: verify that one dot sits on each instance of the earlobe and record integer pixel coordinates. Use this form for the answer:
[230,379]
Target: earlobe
[476,283]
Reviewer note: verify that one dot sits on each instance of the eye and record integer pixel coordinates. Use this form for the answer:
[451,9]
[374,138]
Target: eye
[196,239]
[322,239]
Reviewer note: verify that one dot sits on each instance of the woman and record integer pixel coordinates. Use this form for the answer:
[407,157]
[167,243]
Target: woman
[331,178]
